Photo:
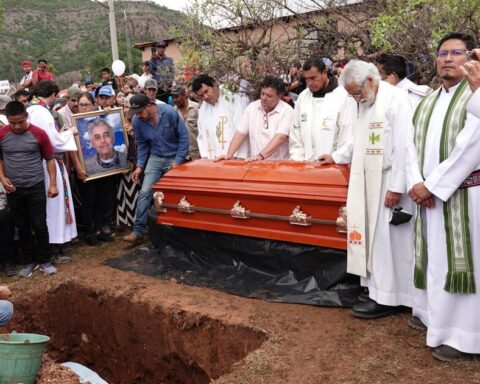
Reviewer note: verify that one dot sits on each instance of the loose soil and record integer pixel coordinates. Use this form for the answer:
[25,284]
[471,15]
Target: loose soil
[110,320]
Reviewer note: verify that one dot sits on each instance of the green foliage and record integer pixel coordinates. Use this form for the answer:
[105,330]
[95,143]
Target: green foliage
[74,35]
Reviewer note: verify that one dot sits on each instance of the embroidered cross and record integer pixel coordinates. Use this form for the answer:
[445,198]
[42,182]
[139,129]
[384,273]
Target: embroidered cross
[374,138]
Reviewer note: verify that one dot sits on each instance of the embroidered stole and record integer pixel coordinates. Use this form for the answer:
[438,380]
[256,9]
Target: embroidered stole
[365,183]
[460,275]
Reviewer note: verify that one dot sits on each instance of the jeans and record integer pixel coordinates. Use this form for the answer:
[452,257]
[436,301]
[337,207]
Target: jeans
[28,207]
[6,312]
[156,167]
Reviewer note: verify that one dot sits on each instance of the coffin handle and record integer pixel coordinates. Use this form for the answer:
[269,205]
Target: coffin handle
[298,217]
[342,220]
[184,206]
[239,212]
[158,202]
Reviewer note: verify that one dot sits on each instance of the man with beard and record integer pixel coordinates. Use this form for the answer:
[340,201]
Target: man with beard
[318,126]
[446,184]
[378,251]
[162,141]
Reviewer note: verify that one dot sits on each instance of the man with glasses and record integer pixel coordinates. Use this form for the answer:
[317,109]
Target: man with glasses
[380,252]
[267,124]
[317,128]
[393,70]
[445,185]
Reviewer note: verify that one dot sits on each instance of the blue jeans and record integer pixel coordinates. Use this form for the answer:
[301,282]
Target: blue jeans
[6,312]
[156,167]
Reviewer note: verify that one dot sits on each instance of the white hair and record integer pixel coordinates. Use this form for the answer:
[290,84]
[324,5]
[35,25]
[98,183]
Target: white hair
[357,71]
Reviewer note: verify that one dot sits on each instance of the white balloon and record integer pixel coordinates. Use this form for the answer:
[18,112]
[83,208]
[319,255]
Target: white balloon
[118,67]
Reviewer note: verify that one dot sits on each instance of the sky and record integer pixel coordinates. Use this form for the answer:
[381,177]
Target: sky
[173,4]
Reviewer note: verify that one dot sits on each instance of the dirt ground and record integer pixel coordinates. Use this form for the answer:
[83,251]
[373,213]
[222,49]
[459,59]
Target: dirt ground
[277,343]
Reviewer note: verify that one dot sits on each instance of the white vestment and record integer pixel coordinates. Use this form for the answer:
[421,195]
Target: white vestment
[452,319]
[59,232]
[390,248]
[321,124]
[218,123]
[415,92]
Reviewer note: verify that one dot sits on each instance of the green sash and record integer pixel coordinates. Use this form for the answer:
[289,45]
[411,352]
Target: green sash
[460,278]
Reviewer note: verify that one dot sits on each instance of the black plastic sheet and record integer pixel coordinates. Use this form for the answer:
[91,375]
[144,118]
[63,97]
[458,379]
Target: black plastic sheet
[247,266]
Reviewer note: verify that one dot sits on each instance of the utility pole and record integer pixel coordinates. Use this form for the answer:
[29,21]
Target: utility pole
[129,48]
[113,30]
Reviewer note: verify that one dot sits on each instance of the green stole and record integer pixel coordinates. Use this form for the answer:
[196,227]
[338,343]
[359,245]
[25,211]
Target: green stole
[460,277]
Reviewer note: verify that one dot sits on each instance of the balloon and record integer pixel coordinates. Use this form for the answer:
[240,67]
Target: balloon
[118,67]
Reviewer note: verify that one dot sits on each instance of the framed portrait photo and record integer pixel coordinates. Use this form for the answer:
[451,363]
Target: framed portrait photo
[102,143]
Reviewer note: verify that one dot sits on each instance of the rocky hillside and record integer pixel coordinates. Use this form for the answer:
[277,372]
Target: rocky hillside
[73,35]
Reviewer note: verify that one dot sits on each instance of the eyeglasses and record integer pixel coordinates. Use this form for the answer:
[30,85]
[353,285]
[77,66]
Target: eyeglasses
[453,53]
[265,121]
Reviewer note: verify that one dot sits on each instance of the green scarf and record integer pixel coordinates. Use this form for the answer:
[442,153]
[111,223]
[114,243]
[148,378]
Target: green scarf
[460,278]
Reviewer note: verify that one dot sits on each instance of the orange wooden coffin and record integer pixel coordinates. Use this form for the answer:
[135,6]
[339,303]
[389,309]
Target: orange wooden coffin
[288,201]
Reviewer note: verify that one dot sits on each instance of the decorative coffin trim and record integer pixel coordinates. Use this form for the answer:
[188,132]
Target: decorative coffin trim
[342,220]
[298,217]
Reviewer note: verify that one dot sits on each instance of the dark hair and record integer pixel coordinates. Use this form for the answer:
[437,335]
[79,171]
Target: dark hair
[146,63]
[41,61]
[200,80]
[88,95]
[19,93]
[275,83]
[46,88]
[393,64]
[316,62]
[296,64]
[15,108]
[469,40]
[106,69]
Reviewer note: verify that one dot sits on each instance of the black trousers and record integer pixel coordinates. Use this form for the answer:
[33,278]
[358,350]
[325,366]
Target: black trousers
[96,202]
[7,231]
[28,207]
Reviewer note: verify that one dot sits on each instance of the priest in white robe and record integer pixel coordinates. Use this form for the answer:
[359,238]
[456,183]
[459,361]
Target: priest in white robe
[322,114]
[218,118]
[445,182]
[378,251]
[60,212]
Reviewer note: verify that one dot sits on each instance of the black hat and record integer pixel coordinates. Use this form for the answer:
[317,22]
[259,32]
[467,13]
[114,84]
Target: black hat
[138,102]
[161,44]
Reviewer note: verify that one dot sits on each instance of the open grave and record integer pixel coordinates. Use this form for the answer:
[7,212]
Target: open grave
[126,339]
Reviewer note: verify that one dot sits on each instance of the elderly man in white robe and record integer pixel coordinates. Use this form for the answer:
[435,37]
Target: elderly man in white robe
[266,123]
[380,247]
[446,184]
[60,212]
[318,126]
[218,117]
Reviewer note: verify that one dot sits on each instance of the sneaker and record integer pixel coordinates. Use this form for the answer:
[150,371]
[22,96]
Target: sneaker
[106,229]
[92,240]
[415,323]
[27,269]
[133,238]
[48,269]
[103,236]
[448,354]
[61,259]
[9,270]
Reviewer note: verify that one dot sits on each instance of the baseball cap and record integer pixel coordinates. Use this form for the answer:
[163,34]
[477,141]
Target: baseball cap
[138,102]
[73,92]
[26,63]
[150,83]
[105,90]
[4,100]
[178,90]
[161,44]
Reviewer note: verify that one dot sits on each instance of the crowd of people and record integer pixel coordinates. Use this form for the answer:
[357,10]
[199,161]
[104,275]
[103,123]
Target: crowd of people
[412,209]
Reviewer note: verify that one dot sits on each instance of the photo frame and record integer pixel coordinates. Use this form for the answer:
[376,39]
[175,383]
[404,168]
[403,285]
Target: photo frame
[102,143]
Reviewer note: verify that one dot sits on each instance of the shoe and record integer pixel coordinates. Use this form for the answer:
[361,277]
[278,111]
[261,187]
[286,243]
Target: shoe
[27,270]
[48,269]
[9,270]
[103,236]
[61,259]
[106,229]
[363,297]
[92,240]
[448,354]
[373,310]
[133,238]
[415,323]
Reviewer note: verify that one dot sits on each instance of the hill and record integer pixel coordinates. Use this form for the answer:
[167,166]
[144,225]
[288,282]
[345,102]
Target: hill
[74,35]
